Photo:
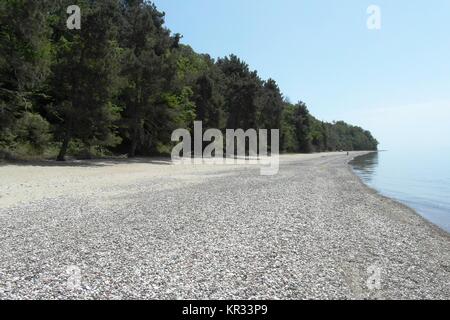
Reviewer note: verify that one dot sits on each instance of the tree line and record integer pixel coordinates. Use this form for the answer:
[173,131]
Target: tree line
[123,82]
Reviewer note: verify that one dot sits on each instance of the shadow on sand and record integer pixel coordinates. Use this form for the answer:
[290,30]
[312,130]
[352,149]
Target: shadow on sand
[87,163]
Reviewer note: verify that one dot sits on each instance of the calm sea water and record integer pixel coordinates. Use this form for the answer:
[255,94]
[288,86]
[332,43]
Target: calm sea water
[420,180]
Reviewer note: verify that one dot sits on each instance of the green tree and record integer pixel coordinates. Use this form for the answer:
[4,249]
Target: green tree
[148,69]
[302,122]
[123,83]
[242,87]
[200,73]
[24,60]
[84,77]
[33,130]
[288,135]
[270,106]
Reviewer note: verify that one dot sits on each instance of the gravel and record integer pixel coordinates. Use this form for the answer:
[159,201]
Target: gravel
[314,231]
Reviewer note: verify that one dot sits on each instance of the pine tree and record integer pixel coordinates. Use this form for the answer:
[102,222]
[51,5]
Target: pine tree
[241,93]
[303,127]
[84,77]
[270,106]
[148,70]
[24,61]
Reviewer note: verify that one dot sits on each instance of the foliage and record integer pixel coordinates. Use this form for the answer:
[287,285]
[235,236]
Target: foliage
[123,83]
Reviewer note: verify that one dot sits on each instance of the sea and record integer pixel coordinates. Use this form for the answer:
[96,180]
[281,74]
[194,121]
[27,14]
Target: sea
[418,179]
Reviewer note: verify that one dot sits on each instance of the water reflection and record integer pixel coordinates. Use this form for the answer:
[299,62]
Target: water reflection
[418,180]
[366,166]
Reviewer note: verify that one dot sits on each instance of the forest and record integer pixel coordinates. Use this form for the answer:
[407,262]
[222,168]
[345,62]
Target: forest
[122,83]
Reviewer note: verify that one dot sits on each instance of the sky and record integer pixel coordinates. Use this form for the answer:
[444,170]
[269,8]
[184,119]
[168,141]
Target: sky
[394,81]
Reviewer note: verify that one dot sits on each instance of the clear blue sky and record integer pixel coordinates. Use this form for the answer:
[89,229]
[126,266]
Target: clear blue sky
[394,81]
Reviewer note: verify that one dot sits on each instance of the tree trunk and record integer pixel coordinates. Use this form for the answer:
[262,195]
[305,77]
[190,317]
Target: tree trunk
[132,152]
[63,150]
[133,146]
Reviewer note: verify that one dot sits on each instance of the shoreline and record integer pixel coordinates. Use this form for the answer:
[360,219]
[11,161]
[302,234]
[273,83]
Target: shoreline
[394,200]
[155,231]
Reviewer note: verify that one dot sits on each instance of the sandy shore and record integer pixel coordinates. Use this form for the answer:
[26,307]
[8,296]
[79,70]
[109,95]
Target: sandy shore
[149,229]
[30,181]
